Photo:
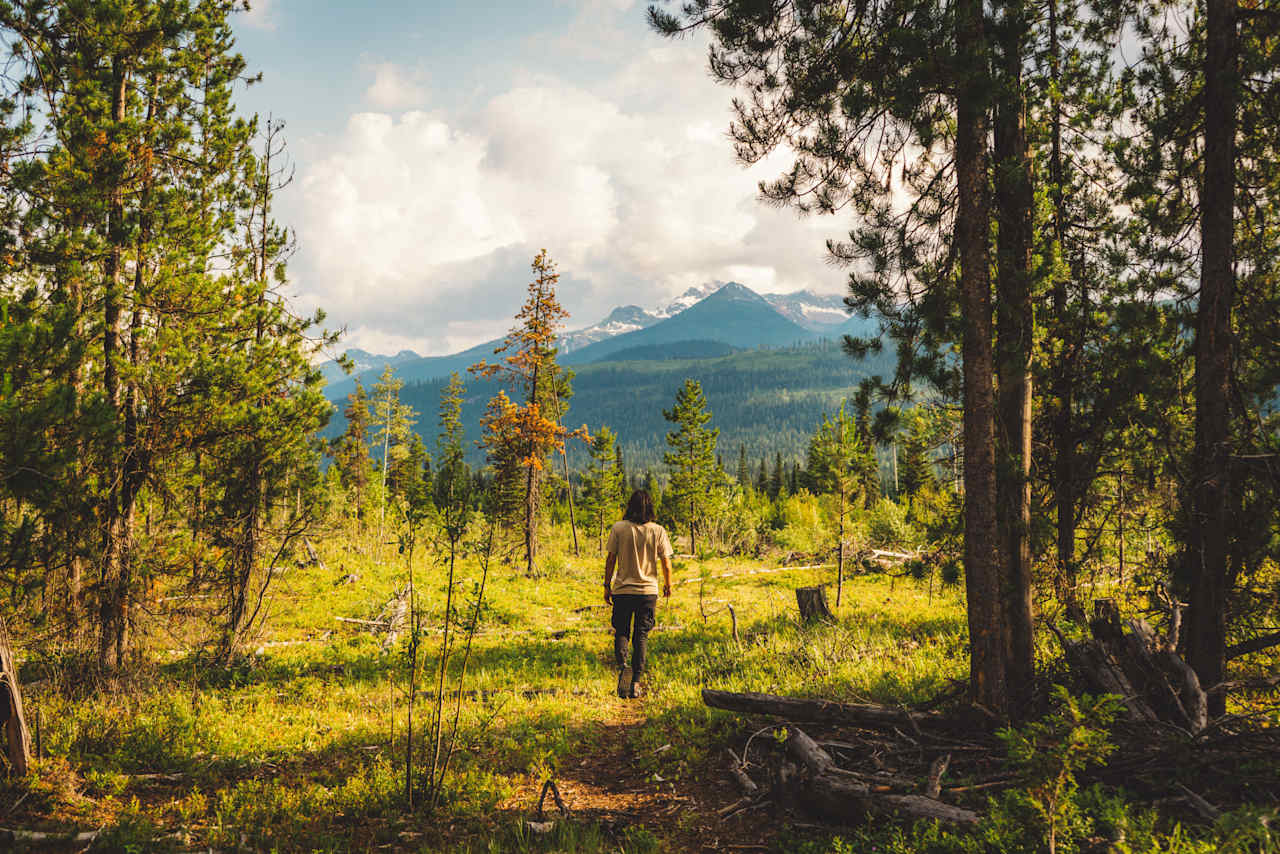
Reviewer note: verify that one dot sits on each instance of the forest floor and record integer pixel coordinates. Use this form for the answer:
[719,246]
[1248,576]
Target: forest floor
[300,745]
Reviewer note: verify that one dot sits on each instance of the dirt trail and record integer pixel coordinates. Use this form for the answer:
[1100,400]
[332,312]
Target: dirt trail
[609,786]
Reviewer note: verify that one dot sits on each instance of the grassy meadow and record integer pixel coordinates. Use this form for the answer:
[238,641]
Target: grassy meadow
[300,746]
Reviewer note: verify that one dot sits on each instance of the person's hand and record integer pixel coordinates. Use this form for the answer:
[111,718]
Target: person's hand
[608,596]
[666,591]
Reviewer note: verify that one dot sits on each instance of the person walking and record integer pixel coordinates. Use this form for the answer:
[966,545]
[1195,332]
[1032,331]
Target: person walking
[637,546]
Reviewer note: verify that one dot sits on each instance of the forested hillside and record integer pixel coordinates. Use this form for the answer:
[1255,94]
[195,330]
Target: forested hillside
[765,400]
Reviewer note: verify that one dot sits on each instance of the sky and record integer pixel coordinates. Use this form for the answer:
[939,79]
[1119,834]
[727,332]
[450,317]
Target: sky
[438,146]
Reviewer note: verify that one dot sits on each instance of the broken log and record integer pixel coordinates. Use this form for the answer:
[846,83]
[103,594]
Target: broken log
[1167,685]
[840,795]
[41,837]
[813,605]
[823,711]
[933,786]
[17,739]
[313,557]
[740,776]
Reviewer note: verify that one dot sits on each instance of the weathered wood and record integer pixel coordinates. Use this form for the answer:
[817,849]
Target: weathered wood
[41,837]
[1161,686]
[822,711]
[313,557]
[807,752]
[933,785]
[17,737]
[921,807]
[842,795]
[813,605]
[740,775]
[1194,698]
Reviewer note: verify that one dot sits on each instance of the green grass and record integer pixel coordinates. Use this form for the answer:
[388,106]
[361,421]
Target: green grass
[293,748]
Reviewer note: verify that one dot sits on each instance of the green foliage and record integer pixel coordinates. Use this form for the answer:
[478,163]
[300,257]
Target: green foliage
[887,526]
[1050,752]
[692,458]
[602,482]
[804,526]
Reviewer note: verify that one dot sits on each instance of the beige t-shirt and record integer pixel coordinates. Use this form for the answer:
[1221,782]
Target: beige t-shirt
[638,549]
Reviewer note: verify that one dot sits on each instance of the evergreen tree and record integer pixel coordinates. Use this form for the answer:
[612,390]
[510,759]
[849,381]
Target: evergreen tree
[744,471]
[350,450]
[393,422]
[602,482]
[692,455]
[828,79]
[837,460]
[521,436]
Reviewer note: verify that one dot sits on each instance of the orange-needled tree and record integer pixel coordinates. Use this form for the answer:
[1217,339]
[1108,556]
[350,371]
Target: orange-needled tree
[523,429]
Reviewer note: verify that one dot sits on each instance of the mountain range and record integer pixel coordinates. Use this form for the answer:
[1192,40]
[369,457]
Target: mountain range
[703,322]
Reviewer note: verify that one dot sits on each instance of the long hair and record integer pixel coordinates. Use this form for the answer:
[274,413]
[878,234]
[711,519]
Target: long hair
[640,508]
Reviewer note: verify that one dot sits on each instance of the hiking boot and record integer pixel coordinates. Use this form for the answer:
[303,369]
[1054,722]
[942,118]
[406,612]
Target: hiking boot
[637,690]
[625,687]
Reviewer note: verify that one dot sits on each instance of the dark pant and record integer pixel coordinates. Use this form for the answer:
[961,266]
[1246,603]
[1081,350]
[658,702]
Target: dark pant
[629,608]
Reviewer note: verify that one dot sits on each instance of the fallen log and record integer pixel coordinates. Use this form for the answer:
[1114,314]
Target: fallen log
[741,777]
[823,711]
[40,837]
[839,795]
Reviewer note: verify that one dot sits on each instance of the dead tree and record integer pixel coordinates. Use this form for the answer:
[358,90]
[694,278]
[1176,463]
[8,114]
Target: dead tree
[1141,667]
[12,720]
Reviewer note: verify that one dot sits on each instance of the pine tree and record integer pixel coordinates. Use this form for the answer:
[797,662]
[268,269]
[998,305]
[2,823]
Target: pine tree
[744,471]
[393,422]
[828,79]
[692,456]
[837,460]
[777,482]
[601,483]
[519,437]
[350,450]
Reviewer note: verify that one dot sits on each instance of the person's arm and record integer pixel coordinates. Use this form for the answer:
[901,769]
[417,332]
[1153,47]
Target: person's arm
[666,576]
[608,578]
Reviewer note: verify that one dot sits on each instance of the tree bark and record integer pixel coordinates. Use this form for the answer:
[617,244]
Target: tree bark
[813,604]
[988,686]
[118,508]
[17,742]
[1209,521]
[1015,338]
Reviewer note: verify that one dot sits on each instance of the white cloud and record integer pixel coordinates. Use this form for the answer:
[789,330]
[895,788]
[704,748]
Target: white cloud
[261,14]
[420,227]
[394,88]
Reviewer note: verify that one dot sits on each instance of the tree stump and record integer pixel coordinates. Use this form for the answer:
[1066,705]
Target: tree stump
[17,738]
[813,604]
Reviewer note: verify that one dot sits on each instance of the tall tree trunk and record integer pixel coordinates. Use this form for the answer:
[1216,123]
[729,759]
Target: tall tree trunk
[530,518]
[1063,356]
[840,549]
[1015,338]
[981,557]
[568,485]
[117,518]
[1209,520]
[693,543]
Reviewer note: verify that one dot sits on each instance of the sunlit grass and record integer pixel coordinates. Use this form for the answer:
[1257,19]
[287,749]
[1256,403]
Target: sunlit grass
[300,746]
